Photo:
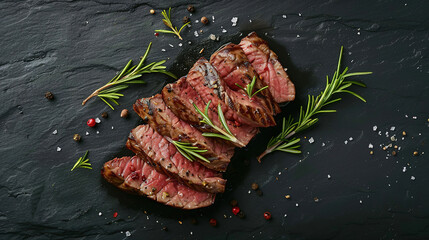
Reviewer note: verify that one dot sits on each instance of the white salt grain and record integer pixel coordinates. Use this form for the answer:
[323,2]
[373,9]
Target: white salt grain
[87,133]
[311,140]
[97,120]
[163,50]
[98,132]
[404,169]
[234,21]
[350,139]
[212,37]
[323,144]
[296,204]
[196,34]
[370,146]
[58,149]
[345,142]
[213,18]
[112,127]
[414,117]
[55,132]
[297,36]
[99,214]
[374,128]
[180,44]
[392,128]
[299,14]
[413,178]
[250,20]
[284,16]
[127,233]
[224,30]
[171,45]
[360,201]
[329,176]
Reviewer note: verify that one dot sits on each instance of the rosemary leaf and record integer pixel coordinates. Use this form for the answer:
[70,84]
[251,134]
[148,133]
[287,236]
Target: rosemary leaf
[282,141]
[82,162]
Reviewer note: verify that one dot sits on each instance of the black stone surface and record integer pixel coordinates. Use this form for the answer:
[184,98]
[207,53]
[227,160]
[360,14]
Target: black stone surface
[72,47]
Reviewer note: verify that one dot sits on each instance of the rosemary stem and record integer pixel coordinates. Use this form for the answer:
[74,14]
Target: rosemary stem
[95,93]
[270,149]
[232,137]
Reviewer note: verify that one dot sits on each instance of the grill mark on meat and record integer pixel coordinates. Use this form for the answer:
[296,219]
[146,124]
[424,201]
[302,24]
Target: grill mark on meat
[134,175]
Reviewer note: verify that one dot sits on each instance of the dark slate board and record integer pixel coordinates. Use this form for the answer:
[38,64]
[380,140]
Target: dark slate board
[72,47]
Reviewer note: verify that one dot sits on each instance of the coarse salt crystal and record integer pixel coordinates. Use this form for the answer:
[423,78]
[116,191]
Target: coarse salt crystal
[112,127]
[413,178]
[370,146]
[284,16]
[224,30]
[249,192]
[297,36]
[250,20]
[404,169]
[358,33]
[374,128]
[323,144]
[234,21]
[392,128]
[414,117]
[196,34]
[55,132]
[350,139]
[180,44]
[213,18]
[212,37]
[171,45]
[296,204]
[311,140]
[345,142]
[97,120]
[87,133]
[329,176]
[58,149]
[196,21]
[299,14]
[99,214]
[163,50]
[98,132]
[127,233]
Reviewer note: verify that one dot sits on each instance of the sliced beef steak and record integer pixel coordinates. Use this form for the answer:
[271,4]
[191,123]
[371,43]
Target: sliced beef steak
[136,175]
[163,120]
[268,67]
[146,142]
[235,69]
[180,96]
[235,106]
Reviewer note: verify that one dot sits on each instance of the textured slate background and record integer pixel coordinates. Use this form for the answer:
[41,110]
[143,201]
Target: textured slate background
[73,47]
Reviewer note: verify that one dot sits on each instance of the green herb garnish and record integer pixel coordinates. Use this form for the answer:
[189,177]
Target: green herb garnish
[189,151]
[283,141]
[168,23]
[224,134]
[128,75]
[82,162]
[249,88]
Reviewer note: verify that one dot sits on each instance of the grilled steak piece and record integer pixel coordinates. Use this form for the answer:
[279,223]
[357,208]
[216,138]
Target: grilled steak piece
[234,68]
[235,106]
[268,67]
[163,120]
[136,175]
[147,143]
[179,97]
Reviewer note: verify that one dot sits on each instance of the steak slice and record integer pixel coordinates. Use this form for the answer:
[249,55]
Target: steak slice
[234,68]
[147,143]
[136,175]
[180,96]
[163,120]
[267,65]
[204,78]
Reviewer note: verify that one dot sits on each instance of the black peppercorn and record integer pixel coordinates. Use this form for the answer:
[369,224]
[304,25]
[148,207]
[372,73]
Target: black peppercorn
[104,115]
[233,203]
[204,20]
[185,20]
[259,192]
[241,215]
[49,95]
[76,137]
[191,8]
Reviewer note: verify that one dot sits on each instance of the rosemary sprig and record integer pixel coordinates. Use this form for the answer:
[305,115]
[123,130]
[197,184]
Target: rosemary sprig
[128,75]
[189,151]
[249,88]
[169,24]
[283,141]
[82,162]
[224,134]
